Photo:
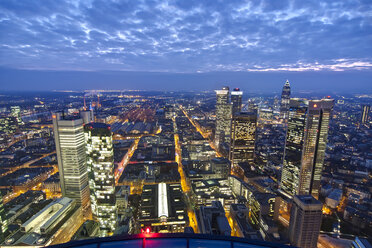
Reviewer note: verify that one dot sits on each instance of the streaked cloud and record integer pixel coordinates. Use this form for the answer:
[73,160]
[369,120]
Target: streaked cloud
[186,36]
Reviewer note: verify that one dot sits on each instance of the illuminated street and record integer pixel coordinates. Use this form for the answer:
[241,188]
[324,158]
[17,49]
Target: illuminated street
[199,129]
[184,182]
[16,193]
[125,160]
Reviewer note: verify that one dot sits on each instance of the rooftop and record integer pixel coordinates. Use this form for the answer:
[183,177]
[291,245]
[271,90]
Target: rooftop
[97,125]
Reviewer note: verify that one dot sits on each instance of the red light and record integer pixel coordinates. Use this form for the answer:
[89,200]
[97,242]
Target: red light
[148,230]
[142,231]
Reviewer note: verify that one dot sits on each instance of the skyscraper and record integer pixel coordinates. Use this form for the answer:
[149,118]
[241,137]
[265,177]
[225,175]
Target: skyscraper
[284,105]
[87,115]
[243,137]
[236,100]
[100,160]
[8,124]
[305,221]
[365,113]
[293,146]
[306,141]
[16,112]
[72,167]
[3,220]
[223,116]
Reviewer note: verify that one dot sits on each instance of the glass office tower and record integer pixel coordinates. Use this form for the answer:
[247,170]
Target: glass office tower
[306,141]
[236,100]
[243,137]
[284,104]
[100,160]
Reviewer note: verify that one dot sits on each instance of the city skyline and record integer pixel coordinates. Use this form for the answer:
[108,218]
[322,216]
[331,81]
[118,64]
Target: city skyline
[149,162]
[173,123]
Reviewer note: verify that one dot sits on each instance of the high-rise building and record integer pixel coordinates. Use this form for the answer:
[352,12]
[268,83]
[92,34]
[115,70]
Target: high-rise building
[100,161]
[284,105]
[365,113]
[87,116]
[8,124]
[293,146]
[236,100]
[243,137]
[3,220]
[305,221]
[223,116]
[15,111]
[72,167]
[306,141]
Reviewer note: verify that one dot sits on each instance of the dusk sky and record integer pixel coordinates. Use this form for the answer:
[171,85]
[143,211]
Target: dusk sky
[186,44]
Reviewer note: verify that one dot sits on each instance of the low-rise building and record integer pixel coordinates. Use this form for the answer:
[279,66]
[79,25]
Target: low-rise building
[162,209]
[56,223]
[212,220]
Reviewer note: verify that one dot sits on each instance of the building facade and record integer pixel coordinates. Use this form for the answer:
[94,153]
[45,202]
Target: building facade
[8,124]
[306,141]
[316,136]
[221,167]
[100,161]
[87,116]
[3,220]
[365,114]
[284,104]
[236,100]
[72,167]
[15,111]
[243,137]
[223,116]
[305,221]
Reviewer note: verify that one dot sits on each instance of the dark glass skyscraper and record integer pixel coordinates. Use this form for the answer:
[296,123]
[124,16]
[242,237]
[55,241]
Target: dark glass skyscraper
[243,137]
[236,100]
[306,141]
[100,161]
[319,114]
[284,105]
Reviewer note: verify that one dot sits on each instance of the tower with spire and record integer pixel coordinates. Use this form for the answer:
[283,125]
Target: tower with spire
[284,105]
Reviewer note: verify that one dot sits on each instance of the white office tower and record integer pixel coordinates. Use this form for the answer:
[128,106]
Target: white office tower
[70,147]
[223,117]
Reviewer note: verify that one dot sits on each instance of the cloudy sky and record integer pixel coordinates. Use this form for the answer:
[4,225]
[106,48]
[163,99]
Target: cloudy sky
[48,38]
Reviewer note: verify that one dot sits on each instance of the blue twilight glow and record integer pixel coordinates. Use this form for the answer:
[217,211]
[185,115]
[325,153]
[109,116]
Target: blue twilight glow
[186,36]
